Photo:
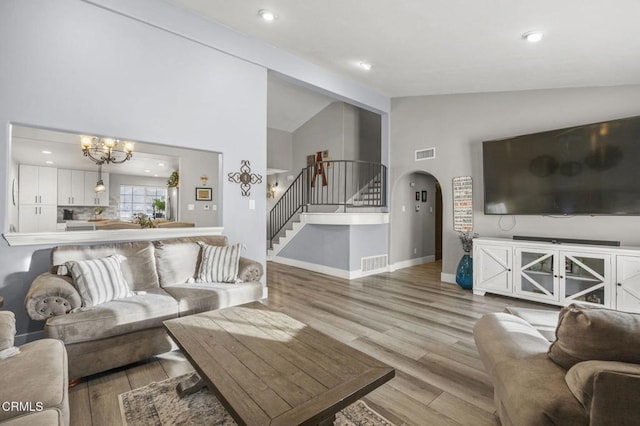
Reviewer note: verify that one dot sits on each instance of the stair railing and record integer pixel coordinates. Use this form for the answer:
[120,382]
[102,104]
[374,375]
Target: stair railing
[342,183]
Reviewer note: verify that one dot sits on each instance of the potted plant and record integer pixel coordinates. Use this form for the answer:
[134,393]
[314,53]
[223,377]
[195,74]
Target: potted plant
[143,220]
[97,212]
[174,179]
[158,207]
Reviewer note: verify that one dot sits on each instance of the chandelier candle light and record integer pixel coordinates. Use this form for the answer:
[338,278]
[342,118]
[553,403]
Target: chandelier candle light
[106,150]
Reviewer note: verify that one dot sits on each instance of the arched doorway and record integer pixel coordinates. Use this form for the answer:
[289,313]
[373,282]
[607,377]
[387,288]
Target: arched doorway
[416,220]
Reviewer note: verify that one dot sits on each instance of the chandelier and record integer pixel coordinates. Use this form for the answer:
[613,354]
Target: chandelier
[106,150]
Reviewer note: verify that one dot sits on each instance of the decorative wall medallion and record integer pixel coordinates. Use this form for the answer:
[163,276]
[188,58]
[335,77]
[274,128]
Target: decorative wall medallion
[245,178]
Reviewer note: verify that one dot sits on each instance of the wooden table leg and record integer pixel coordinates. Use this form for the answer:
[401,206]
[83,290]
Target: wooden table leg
[328,421]
[191,385]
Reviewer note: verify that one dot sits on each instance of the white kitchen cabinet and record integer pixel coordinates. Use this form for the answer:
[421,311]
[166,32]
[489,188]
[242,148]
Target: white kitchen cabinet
[37,218]
[559,274]
[70,187]
[38,185]
[628,283]
[38,194]
[91,198]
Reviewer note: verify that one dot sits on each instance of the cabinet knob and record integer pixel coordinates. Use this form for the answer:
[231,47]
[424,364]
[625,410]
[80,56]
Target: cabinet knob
[619,284]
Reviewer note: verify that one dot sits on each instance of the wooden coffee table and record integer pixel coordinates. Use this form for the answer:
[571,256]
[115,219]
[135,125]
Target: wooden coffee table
[270,369]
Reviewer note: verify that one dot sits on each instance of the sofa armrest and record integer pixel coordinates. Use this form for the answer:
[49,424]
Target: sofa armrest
[615,399]
[51,295]
[589,381]
[7,329]
[249,270]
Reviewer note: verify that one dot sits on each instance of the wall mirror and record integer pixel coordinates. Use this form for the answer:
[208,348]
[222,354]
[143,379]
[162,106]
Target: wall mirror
[118,189]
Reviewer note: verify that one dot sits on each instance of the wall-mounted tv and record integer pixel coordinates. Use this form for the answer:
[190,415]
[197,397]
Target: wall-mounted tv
[585,170]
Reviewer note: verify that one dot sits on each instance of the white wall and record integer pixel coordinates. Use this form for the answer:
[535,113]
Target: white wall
[457,124]
[324,131]
[348,132]
[194,164]
[73,66]
[279,149]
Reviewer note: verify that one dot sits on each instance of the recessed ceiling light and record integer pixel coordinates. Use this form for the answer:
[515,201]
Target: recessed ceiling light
[533,36]
[147,171]
[267,15]
[365,66]
[161,164]
[46,152]
[48,162]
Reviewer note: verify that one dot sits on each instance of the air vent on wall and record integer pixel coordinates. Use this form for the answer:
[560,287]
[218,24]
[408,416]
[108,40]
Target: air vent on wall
[373,263]
[425,154]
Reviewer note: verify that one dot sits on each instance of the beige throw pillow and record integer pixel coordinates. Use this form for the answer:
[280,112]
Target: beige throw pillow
[99,280]
[219,264]
[595,334]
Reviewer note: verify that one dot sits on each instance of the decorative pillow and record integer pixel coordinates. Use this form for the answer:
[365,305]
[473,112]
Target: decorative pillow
[99,280]
[7,329]
[585,334]
[218,264]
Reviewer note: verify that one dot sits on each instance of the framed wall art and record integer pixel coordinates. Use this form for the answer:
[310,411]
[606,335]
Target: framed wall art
[204,194]
[463,204]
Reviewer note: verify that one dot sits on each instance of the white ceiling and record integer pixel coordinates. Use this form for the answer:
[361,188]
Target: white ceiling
[425,47]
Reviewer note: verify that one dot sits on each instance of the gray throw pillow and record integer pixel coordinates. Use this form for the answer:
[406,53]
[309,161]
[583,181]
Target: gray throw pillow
[99,280]
[585,334]
[219,264]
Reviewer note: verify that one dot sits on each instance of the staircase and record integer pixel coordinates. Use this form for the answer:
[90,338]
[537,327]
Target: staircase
[344,184]
[368,195]
[294,226]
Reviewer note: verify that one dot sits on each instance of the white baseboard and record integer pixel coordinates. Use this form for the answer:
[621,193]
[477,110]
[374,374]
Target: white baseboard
[448,278]
[351,275]
[335,272]
[411,262]
[21,339]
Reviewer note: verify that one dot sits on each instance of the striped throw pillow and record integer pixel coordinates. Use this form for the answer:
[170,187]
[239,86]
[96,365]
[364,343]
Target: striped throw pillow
[219,264]
[99,280]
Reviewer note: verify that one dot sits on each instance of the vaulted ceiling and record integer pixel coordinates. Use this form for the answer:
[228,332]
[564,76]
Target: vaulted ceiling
[426,47]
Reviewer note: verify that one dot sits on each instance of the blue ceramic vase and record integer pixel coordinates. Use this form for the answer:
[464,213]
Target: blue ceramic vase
[464,273]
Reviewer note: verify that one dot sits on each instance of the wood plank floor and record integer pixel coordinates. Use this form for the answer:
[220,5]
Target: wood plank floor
[408,319]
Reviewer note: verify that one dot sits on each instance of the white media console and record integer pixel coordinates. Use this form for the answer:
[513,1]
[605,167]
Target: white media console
[558,273]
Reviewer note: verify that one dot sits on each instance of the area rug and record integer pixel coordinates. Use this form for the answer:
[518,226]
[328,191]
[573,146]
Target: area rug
[158,404]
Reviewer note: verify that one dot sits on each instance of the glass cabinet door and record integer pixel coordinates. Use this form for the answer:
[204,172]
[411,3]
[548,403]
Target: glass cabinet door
[536,274]
[586,278]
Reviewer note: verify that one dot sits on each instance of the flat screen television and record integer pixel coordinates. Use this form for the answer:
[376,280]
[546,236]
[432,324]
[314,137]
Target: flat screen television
[585,170]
